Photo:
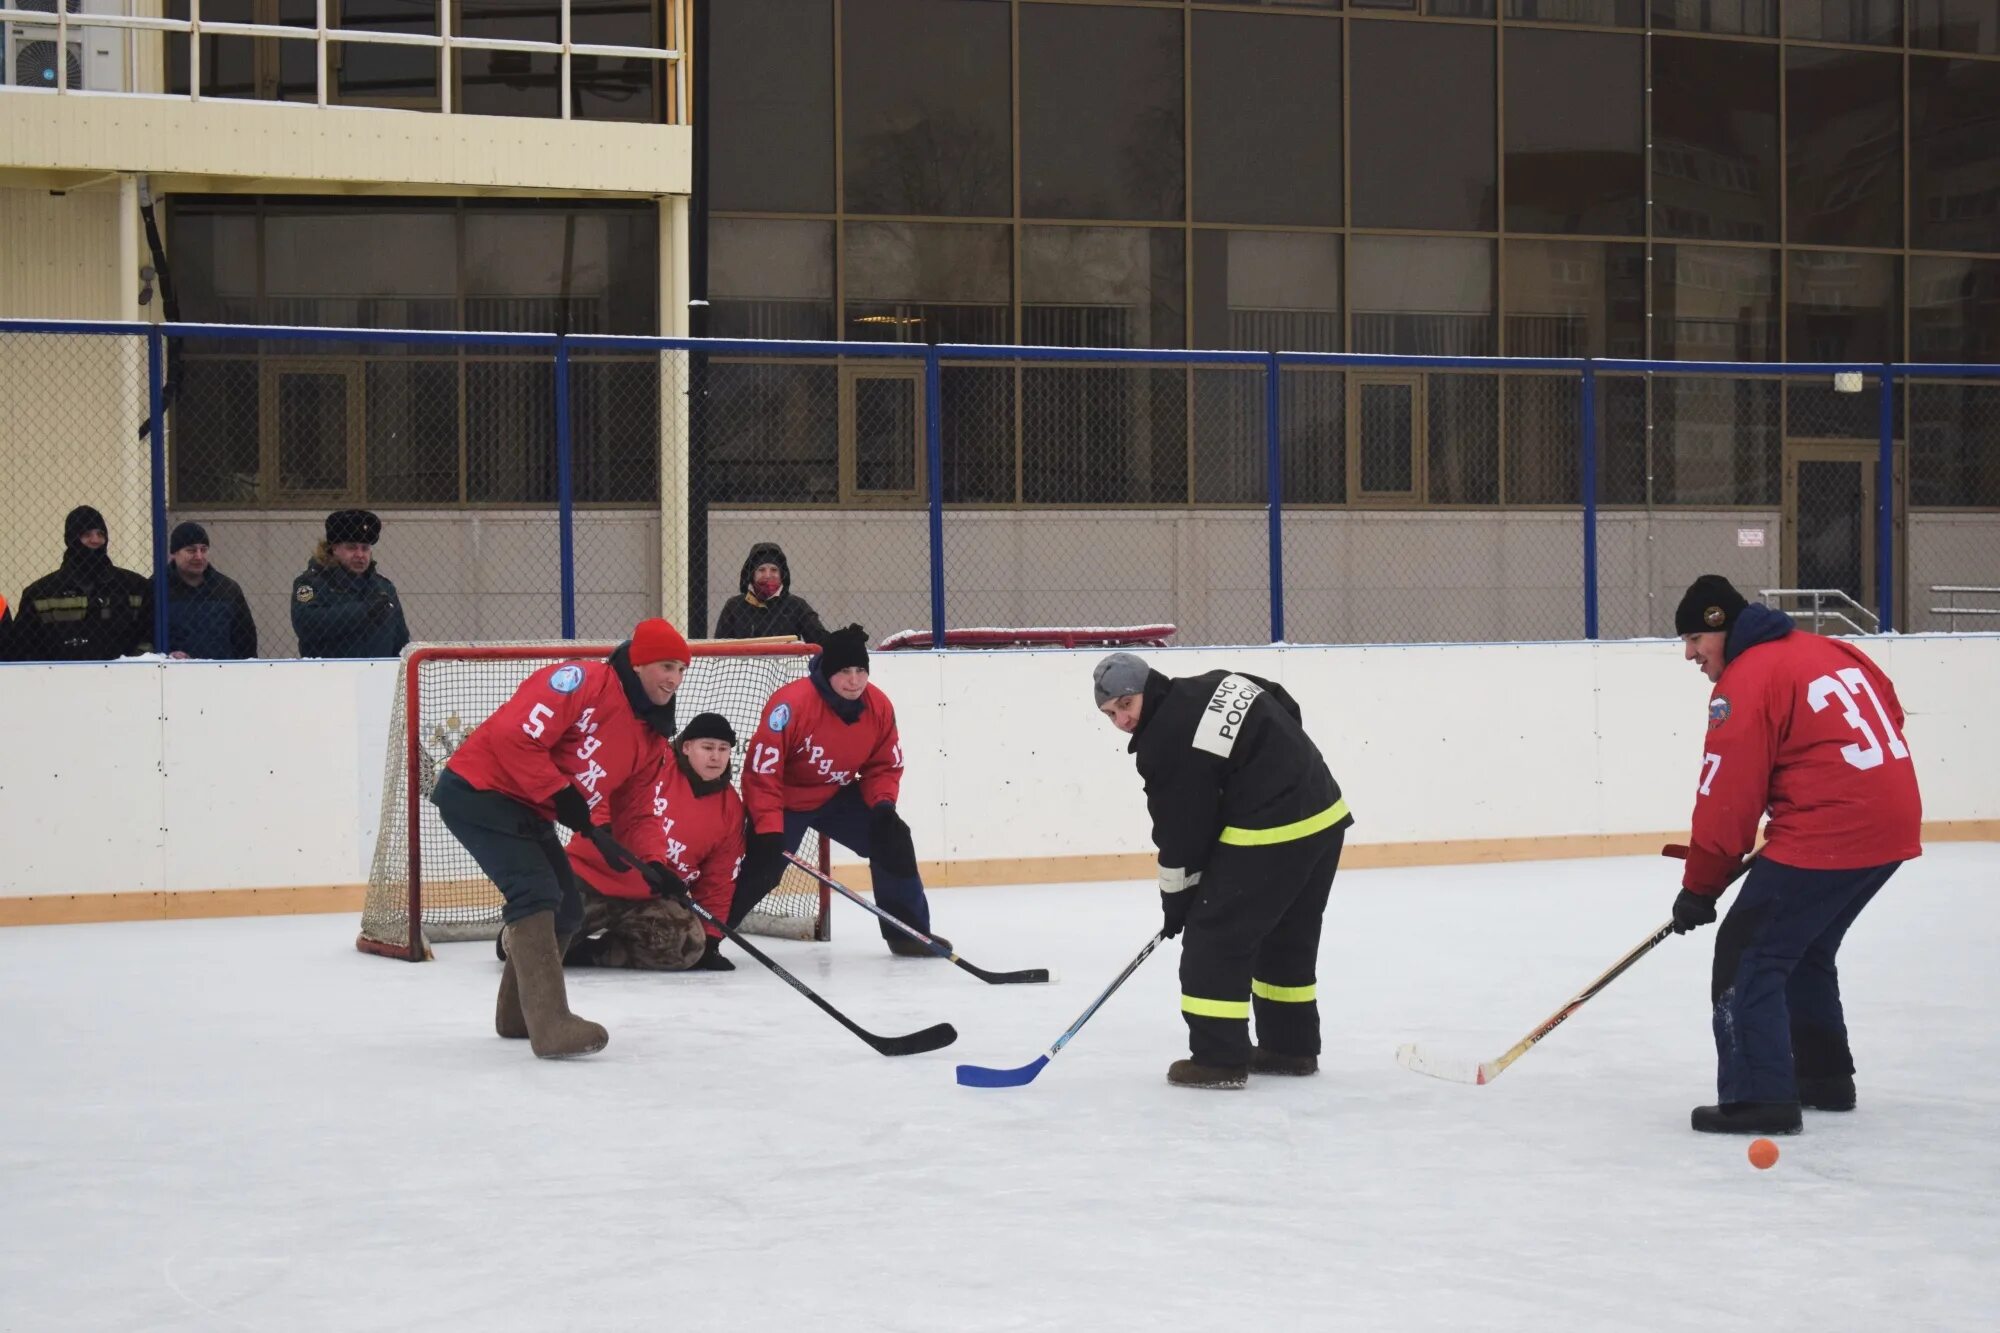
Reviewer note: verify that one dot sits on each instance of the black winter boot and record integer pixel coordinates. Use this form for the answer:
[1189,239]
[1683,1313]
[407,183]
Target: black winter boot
[1748,1118]
[1833,1092]
[1276,1062]
[712,959]
[1188,1074]
[904,946]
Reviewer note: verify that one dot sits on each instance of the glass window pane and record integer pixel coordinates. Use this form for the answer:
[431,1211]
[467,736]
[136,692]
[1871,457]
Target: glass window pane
[614,87]
[1266,119]
[1462,430]
[1956,25]
[1575,298]
[361,268]
[1748,18]
[1102,287]
[886,425]
[772,433]
[1715,139]
[312,430]
[1543,425]
[770,279]
[215,432]
[1843,147]
[1954,154]
[1104,435]
[1450,9]
[1387,443]
[1839,307]
[1602,13]
[1268,290]
[508,83]
[1952,458]
[412,431]
[1576,155]
[215,262]
[1399,119]
[978,433]
[580,270]
[1712,304]
[372,75]
[1954,309]
[615,421]
[1423,295]
[1860,21]
[1716,440]
[510,435]
[770,105]
[929,282]
[926,110]
[1313,447]
[1100,112]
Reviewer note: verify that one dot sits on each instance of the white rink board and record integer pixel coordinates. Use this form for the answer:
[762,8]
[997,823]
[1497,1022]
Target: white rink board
[244,1124]
[190,776]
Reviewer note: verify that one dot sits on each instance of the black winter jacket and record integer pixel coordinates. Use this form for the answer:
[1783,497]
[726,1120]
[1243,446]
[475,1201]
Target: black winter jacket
[338,614]
[1224,750]
[747,616]
[89,610]
[210,619]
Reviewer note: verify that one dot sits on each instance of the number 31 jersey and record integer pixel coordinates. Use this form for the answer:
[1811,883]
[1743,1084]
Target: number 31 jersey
[1809,728]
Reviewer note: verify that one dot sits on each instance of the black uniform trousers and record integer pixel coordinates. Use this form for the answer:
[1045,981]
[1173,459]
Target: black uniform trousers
[518,850]
[1775,990]
[1253,937]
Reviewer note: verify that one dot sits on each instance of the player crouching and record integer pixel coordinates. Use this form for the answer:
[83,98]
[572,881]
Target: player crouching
[575,738]
[1249,825]
[691,837]
[826,756]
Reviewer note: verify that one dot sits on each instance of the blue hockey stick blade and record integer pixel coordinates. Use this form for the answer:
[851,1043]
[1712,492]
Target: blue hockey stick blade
[979,1076]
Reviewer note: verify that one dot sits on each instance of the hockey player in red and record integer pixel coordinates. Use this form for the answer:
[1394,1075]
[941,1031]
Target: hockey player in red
[1808,728]
[691,831]
[580,743]
[826,757]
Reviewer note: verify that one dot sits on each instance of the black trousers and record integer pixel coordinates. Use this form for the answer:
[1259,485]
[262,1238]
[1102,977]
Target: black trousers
[517,848]
[1252,939]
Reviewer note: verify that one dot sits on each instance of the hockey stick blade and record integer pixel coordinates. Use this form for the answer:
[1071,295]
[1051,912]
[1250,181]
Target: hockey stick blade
[1025,975]
[1419,1061]
[979,1076]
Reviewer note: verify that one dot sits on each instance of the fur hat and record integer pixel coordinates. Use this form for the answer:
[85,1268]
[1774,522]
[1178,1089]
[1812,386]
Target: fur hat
[1118,675]
[844,648]
[353,525]
[707,727]
[657,641]
[1710,604]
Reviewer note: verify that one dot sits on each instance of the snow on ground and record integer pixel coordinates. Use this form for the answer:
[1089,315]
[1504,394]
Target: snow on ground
[247,1125]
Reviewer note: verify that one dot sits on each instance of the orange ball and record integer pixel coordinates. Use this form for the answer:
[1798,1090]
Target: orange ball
[1763,1154]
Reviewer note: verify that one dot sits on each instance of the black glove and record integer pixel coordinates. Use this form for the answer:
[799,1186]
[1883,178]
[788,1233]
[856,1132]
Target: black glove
[889,841]
[1178,890]
[664,882]
[572,811]
[1692,909]
[763,866]
[712,959]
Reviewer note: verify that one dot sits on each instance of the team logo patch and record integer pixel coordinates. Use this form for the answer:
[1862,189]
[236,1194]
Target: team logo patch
[780,715]
[566,679]
[1712,617]
[305,592]
[1718,712]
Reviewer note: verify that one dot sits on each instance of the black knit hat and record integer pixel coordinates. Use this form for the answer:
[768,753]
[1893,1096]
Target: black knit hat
[1711,604]
[352,525]
[80,520]
[189,533]
[707,727]
[844,648]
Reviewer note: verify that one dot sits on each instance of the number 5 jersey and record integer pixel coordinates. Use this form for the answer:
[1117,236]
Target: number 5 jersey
[1809,728]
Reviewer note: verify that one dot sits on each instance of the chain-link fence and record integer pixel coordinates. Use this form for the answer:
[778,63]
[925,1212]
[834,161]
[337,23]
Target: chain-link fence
[282,491]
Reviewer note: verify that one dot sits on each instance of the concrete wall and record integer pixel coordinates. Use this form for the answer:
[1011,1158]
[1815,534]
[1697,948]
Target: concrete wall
[192,776]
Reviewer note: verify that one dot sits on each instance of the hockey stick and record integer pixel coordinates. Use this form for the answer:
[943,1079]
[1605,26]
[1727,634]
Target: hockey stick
[979,1076]
[1414,1058]
[990,978]
[934,1037]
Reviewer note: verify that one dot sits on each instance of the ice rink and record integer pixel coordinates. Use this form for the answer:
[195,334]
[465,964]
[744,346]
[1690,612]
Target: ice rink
[245,1124]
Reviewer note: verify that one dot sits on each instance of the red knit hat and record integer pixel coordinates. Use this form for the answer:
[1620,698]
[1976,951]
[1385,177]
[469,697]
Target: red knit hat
[657,641]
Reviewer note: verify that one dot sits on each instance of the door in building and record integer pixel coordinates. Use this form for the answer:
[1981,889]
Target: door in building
[1829,532]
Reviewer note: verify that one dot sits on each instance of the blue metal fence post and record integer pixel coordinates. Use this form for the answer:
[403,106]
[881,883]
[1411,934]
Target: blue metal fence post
[565,492]
[934,469]
[1885,507]
[1588,431]
[156,417]
[1274,489]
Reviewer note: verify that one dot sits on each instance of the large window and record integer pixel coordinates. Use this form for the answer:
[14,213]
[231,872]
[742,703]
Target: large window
[1101,127]
[1273,290]
[1575,298]
[1422,295]
[1715,140]
[1715,304]
[770,278]
[317,423]
[1267,123]
[1423,160]
[1843,147]
[928,283]
[1954,154]
[1576,156]
[770,105]
[926,125]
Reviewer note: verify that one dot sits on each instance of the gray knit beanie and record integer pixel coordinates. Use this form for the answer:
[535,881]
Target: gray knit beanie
[1120,674]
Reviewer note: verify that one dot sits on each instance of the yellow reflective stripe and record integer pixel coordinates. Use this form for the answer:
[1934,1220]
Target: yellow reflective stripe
[1200,1008]
[1284,994]
[1292,832]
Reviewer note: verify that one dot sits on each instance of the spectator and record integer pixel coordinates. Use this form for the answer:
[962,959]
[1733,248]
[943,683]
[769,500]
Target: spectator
[89,610]
[206,613]
[767,608]
[341,607]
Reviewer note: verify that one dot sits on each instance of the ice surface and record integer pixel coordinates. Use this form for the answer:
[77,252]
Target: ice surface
[247,1125]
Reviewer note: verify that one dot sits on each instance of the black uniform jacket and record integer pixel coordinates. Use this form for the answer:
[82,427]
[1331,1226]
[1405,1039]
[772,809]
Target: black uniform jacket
[1225,760]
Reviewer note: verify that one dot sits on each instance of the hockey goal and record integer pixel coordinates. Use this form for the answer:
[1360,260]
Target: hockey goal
[424,887]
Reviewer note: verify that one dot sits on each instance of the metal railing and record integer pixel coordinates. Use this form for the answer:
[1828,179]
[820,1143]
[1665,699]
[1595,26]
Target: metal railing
[1822,607]
[325,36]
[1951,610]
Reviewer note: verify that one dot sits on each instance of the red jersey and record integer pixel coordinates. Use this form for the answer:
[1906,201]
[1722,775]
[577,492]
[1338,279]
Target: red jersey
[567,723]
[804,752]
[699,838]
[1810,728]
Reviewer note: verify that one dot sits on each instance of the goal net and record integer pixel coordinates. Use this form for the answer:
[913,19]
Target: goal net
[424,886]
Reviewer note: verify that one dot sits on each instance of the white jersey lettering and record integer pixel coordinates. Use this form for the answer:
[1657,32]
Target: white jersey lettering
[1222,719]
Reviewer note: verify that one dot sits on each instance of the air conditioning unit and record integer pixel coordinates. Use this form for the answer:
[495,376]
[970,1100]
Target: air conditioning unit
[95,57]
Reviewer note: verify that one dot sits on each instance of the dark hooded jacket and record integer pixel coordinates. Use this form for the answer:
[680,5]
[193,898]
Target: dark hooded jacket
[748,616]
[209,619]
[338,614]
[89,610]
